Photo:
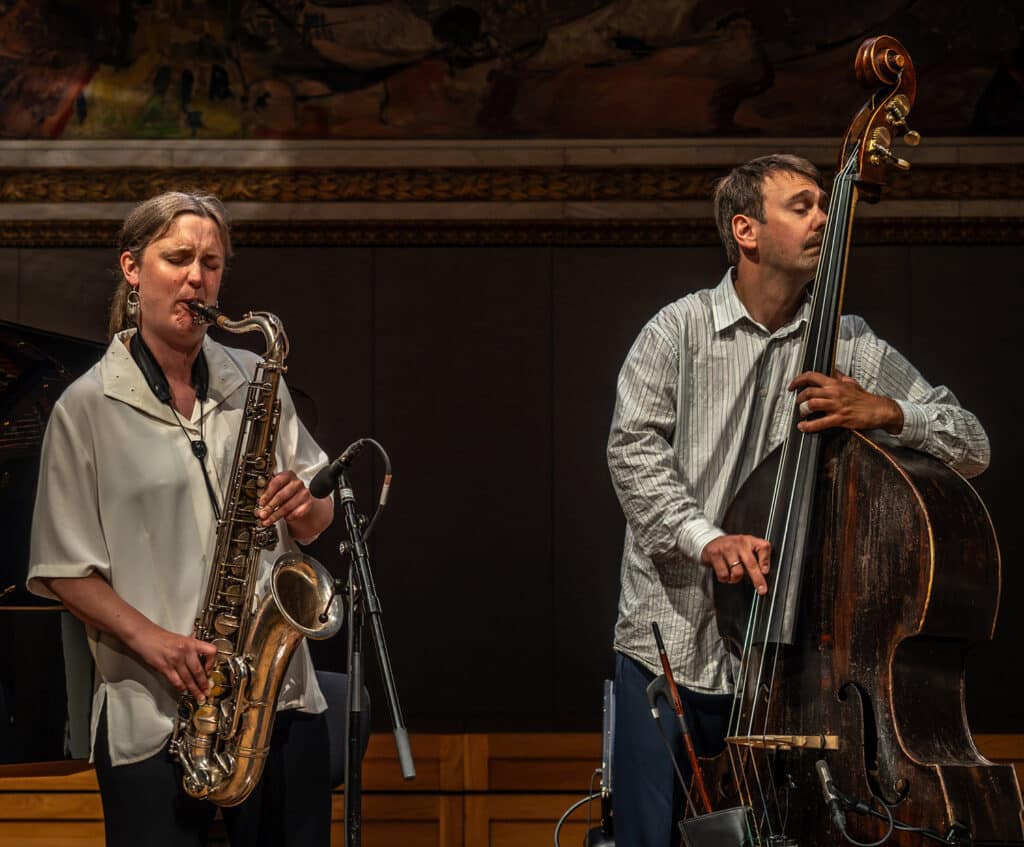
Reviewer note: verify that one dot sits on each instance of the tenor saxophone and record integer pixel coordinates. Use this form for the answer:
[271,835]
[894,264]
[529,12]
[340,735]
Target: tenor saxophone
[222,743]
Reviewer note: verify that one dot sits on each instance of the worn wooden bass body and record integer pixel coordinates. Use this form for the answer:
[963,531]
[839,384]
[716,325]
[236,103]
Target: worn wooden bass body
[902,573]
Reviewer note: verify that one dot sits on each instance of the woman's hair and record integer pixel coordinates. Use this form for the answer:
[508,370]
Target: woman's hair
[151,220]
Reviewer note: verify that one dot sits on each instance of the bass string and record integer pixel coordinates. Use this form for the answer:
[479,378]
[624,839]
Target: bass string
[778,548]
[824,299]
[823,304]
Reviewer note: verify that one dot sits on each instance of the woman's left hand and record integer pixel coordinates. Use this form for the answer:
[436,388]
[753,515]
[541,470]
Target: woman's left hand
[287,498]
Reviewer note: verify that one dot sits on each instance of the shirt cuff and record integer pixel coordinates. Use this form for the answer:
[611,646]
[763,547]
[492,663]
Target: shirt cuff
[915,425]
[696,535]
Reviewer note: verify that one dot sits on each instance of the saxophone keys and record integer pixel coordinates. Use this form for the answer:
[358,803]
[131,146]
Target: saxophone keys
[266,537]
[218,683]
[205,720]
[226,624]
[225,649]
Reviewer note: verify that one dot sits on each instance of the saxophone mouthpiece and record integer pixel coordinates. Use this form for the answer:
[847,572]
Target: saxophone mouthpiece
[204,314]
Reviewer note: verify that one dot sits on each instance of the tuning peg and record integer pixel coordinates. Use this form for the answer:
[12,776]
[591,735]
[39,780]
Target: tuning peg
[880,150]
[877,153]
[897,110]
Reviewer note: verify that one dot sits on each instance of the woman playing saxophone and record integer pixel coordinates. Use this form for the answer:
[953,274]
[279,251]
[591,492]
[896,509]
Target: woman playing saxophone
[136,457]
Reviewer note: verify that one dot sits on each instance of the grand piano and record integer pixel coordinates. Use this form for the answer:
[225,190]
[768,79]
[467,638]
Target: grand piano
[45,666]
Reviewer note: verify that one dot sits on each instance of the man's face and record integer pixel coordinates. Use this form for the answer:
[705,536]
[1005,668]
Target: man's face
[789,240]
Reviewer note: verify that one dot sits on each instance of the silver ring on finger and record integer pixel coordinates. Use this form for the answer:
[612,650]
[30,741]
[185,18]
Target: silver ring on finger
[735,565]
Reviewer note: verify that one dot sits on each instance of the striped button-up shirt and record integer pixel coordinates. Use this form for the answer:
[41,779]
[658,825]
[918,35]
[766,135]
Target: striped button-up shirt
[702,399]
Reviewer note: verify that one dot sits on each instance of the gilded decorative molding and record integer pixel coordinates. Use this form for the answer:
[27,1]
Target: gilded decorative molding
[470,184]
[555,233]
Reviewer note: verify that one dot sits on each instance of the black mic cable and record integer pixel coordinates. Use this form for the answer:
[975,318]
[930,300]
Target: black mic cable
[326,480]
[838,802]
[958,835]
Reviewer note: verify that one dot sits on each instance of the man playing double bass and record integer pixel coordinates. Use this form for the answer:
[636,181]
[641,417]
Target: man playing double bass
[705,394]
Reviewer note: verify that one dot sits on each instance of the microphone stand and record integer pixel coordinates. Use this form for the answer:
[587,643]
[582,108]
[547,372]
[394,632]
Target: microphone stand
[363,601]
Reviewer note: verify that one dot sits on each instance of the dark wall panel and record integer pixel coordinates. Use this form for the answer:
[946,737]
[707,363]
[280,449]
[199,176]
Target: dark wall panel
[462,394]
[966,336]
[64,290]
[602,298]
[879,289]
[489,375]
[324,298]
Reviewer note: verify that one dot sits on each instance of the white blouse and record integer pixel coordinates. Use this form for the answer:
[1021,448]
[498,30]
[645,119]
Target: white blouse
[121,493]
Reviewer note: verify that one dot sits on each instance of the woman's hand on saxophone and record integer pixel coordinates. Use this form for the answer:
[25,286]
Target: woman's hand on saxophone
[183,660]
[287,498]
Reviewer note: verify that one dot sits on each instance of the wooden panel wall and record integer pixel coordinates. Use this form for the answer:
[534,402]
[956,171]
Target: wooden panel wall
[471,790]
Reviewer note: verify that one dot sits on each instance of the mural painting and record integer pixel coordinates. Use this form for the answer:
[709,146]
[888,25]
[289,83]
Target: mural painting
[380,69]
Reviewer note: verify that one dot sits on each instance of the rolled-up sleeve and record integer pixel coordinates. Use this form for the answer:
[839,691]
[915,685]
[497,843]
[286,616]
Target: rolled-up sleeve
[656,499]
[67,532]
[933,419]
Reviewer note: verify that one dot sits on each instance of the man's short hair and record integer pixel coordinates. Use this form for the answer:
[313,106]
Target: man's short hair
[742,193]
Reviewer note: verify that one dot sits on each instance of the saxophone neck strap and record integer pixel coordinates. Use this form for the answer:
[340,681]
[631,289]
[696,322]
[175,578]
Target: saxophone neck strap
[157,382]
[154,374]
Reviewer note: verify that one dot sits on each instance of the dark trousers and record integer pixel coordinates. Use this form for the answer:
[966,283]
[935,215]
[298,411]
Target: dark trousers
[647,800]
[143,803]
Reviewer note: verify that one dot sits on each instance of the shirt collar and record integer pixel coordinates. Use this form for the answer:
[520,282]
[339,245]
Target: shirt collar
[122,379]
[727,309]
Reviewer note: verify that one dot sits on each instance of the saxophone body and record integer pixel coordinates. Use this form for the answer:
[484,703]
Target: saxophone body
[222,743]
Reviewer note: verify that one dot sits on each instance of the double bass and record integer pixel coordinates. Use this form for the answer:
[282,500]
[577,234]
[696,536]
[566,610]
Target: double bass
[848,723]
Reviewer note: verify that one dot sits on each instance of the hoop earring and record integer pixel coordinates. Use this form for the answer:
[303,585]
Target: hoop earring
[131,308]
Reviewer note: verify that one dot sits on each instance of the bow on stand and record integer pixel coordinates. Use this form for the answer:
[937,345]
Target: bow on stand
[848,720]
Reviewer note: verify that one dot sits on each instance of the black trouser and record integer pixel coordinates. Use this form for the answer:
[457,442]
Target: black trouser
[144,803]
[646,797]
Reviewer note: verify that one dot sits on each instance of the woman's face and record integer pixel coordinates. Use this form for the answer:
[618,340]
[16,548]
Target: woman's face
[185,264]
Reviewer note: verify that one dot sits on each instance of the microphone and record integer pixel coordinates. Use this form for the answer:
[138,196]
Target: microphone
[831,796]
[324,483]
